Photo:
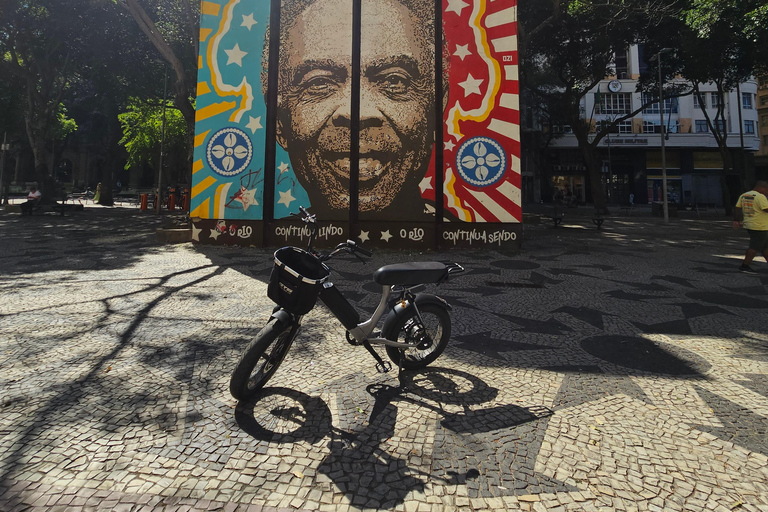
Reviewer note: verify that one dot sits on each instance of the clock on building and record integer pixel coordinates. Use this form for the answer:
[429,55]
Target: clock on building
[614,86]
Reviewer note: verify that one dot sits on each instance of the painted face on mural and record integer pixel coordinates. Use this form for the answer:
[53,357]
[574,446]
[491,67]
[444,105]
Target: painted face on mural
[396,103]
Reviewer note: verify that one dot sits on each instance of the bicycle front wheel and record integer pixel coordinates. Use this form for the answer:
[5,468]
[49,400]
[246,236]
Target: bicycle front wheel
[261,359]
[432,337]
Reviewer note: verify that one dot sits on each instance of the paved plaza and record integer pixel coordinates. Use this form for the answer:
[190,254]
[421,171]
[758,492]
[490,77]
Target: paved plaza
[624,368]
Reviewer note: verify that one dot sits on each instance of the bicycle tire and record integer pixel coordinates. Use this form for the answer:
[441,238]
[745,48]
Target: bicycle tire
[438,325]
[258,364]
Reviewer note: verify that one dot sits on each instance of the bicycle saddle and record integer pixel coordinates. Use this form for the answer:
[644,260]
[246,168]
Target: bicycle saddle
[411,273]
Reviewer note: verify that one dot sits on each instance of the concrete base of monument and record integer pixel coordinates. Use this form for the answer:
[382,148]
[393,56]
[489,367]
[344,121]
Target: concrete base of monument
[174,235]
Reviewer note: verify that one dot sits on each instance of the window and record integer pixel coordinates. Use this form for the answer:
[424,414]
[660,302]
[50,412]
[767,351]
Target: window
[626,126]
[622,65]
[764,120]
[714,99]
[764,100]
[561,128]
[719,125]
[670,105]
[642,64]
[701,126]
[650,127]
[749,127]
[615,103]
[699,105]
[746,101]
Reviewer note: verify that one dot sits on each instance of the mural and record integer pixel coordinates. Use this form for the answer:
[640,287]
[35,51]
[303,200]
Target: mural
[228,169]
[407,142]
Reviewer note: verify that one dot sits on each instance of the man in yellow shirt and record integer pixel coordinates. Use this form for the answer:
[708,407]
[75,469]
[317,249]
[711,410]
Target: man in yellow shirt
[752,213]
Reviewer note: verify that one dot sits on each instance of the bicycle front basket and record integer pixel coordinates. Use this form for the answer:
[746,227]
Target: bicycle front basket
[296,280]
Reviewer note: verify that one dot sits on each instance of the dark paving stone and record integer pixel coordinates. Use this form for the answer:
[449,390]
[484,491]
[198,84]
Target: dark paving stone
[645,355]
[694,310]
[583,384]
[741,426]
[483,343]
[590,316]
[671,327]
[551,326]
[729,299]
[567,272]
[542,279]
[675,279]
[756,382]
[635,297]
[515,265]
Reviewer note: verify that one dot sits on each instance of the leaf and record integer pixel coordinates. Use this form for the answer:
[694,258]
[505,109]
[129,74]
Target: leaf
[298,474]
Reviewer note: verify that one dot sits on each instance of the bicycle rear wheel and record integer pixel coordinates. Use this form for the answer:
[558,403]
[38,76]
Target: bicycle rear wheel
[261,359]
[432,337]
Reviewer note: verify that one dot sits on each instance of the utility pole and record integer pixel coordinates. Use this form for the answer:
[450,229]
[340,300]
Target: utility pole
[663,140]
[162,147]
[4,148]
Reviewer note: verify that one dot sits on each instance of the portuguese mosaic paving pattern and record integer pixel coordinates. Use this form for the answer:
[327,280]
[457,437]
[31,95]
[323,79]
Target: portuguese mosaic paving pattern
[620,369]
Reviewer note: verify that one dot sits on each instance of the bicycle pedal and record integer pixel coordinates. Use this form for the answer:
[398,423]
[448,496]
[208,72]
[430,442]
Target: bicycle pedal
[385,367]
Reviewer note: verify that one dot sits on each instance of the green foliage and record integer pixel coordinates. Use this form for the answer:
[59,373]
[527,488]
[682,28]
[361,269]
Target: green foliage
[142,125]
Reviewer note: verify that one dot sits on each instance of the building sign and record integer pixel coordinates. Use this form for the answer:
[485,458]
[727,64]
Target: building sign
[320,152]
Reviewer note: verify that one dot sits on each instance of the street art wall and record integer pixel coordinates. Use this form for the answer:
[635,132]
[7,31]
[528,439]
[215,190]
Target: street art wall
[395,121]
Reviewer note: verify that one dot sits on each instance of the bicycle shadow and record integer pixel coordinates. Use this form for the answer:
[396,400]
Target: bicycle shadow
[377,465]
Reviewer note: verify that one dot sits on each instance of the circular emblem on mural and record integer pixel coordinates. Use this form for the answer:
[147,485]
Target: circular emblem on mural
[481,161]
[229,151]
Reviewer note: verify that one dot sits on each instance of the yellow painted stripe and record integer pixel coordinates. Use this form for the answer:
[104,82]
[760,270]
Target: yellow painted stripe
[199,139]
[203,211]
[214,110]
[200,187]
[204,33]
[203,88]
[197,166]
[200,62]
[209,8]
[217,200]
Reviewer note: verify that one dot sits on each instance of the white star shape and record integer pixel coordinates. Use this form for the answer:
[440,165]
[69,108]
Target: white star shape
[449,145]
[385,236]
[254,124]
[426,184]
[364,236]
[471,85]
[462,50]
[456,6]
[196,233]
[286,198]
[215,234]
[248,198]
[248,21]
[235,55]
[283,167]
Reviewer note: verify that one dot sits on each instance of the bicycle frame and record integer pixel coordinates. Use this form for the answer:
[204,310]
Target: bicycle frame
[362,332]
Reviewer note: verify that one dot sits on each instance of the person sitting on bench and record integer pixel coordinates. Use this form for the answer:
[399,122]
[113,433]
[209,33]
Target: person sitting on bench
[33,199]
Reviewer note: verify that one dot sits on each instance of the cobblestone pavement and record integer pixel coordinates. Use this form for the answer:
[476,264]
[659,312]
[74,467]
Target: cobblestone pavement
[616,369]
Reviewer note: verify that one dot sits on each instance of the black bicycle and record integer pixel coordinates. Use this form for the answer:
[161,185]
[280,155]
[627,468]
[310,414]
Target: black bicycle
[415,331]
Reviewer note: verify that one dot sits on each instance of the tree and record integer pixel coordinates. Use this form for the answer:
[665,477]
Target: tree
[567,48]
[175,36]
[36,41]
[723,45]
[142,127]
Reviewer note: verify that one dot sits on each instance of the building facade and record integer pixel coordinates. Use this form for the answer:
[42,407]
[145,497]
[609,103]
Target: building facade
[632,155]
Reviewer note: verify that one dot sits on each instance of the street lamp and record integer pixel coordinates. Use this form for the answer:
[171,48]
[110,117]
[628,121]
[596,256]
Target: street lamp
[663,138]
